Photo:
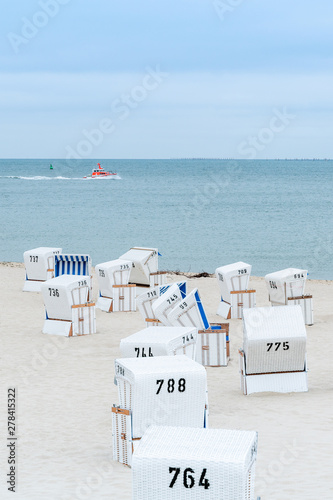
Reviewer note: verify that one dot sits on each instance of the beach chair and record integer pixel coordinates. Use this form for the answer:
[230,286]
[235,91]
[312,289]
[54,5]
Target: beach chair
[39,267]
[161,390]
[233,281]
[144,263]
[115,293]
[160,341]
[68,310]
[213,339]
[171,296]
[273,357]
[176,462]
[286,287]
[146,301]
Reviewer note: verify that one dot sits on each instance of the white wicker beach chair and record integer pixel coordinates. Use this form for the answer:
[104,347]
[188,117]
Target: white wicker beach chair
[115,294]
[273,357]
[161,390]
[173,295]
[144,262]
[39,267]
[285,284]
[68,309]
[173,463]
[287,287]
[233,281]
[160,341]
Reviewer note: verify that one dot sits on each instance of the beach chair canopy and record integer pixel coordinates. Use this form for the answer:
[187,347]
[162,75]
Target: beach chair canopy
[113,272]
[162,390]
[171,296]
[61,293]
[39,262]
[144,261]
[274,339]
[285,283]
[176,462]
[233,277]
[160,341]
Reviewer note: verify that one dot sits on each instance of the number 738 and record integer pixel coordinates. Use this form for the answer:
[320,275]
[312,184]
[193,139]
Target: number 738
[285,345]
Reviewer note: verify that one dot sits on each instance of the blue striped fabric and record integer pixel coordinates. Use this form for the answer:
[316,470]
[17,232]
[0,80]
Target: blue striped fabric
[201,310]
[71,264]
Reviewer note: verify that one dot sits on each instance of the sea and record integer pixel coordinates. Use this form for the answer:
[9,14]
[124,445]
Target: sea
[199,213]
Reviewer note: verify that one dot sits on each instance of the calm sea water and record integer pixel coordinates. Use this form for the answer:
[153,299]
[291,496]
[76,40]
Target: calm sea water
[200,214]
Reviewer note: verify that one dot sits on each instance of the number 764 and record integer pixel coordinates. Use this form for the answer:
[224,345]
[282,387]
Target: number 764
[285,345]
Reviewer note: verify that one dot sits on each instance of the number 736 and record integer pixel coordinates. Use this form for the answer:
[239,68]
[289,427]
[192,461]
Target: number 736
[285,345]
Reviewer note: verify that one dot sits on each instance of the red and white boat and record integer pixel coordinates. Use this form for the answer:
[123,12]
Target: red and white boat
[100,173]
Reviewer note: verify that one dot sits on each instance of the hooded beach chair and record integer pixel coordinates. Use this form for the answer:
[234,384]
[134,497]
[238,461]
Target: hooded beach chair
[286,287]
[178,463]
[273,357]
[144,263]
[39,267]
[160,341]
[115,293]
[233,281]
[161,390]
[68,309]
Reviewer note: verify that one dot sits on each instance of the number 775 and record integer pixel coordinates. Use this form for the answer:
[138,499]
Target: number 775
[285,345]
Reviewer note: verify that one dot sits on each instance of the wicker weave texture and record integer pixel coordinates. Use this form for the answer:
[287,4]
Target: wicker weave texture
[162,390]
[285,283]
[233,277]
[212,463]
[165,303]
[274,339]
[189,312]
[160,341]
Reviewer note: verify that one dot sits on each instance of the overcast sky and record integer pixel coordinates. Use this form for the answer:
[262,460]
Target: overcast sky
[166,78]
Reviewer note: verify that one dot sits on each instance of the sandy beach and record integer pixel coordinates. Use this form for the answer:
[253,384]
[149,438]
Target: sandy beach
[65,390]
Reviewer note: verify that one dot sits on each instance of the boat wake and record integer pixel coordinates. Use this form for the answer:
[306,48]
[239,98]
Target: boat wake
[50,178]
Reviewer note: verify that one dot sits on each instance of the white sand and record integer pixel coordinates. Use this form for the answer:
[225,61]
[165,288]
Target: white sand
[65,392]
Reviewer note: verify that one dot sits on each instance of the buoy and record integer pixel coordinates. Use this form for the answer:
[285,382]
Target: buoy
[51,168]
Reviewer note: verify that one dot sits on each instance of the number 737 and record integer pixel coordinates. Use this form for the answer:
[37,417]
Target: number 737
[285,345]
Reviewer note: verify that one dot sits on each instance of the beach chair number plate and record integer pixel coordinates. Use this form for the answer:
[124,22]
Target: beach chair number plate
[152,294]
[188,477]
[33,258]
[285,346]
[172,298]
[101,273]
[54,292]
[170,387]
[143,354]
